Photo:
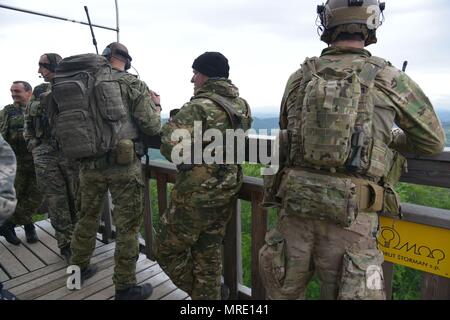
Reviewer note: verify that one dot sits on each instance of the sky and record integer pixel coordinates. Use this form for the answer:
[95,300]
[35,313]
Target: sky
[264,40]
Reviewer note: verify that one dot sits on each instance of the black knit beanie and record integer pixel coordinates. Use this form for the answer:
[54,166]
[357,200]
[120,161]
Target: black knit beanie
[212,64]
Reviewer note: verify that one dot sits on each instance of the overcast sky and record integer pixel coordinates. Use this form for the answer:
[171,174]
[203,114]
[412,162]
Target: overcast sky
[264,40]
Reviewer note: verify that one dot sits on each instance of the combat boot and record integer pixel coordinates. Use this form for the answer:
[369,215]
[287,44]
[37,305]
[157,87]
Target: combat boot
[30,233]
[135,293]
[66,252]
[88,272]
[7,230]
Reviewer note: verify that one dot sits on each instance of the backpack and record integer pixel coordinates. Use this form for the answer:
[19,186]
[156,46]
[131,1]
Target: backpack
[90,110]
[334,116]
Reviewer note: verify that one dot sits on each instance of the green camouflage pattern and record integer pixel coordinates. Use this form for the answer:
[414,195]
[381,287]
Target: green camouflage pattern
[142,110]
[7,174]
[28,196]
[126,187]
[192,229]
[57,178]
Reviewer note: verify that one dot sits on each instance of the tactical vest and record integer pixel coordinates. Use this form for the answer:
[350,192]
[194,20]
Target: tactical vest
[332,129]
[90,111]
[13,126]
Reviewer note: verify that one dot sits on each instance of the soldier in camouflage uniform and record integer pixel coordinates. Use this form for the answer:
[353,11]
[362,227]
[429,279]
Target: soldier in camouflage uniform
[124,181]
[188,245]
[56,176]
[328,220]
[11,125]
[8,199]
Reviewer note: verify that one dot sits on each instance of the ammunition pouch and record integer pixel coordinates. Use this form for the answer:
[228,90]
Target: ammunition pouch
[334,198]
[124,152]
[391,203]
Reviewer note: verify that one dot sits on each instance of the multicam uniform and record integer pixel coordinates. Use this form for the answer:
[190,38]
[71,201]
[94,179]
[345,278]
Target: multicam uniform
[56,177]
[124,181]
[29,198]
[307,237]
[191,231]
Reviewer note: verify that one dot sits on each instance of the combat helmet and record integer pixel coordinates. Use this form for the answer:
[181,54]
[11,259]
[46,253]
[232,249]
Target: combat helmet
[350,16]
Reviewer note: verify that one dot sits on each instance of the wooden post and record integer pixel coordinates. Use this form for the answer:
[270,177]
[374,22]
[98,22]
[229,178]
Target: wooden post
[259,229]
[161,184]
[388,272]
[435,287]
[148,222]
[230,267]
[106,217]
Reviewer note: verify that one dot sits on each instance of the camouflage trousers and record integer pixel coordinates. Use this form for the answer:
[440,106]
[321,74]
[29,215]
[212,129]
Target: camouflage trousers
[56,179]
[28,196]
[126,187]
[188,246]
[342,258]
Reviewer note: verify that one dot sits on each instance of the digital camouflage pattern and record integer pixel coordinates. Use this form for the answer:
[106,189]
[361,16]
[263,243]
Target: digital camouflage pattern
[188,245]
[56,176]
[28,196]
[126,187]
[300,246]
[7,174]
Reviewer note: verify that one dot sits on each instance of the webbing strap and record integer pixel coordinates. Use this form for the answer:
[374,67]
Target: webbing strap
[226,105]
[370,70]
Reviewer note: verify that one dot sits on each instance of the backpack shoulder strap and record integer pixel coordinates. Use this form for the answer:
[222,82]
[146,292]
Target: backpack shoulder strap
[226,105]
[372,67]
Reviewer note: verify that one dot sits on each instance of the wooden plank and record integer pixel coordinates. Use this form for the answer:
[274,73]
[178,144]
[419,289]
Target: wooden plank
[52,281]
[148,222]
[34,275]
[435,287]
[178,294]
[230,270]
[106,269]
[47,227]
[40,250]
[101,281]
[109,292]
[47,240]
[10,263]
[162,286]
[3,276]
[259,229]
[25,256]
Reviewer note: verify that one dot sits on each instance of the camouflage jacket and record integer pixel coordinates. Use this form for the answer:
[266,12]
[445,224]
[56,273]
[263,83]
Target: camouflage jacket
[136,96]
[7,174]
[398,101]
[214,184]
[11,127]
[37,125]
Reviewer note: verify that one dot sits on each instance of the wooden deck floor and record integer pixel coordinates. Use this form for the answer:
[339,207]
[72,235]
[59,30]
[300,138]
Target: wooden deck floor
[38,272]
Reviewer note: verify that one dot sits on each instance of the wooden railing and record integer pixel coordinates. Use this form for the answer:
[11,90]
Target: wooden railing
[431,171]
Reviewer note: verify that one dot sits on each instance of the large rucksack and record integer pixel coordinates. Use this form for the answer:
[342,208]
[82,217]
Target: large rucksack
[90,110]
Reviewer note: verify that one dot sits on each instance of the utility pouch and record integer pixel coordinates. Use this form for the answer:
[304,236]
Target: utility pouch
[125,152]
[391,203]
[399,166]
[318,196]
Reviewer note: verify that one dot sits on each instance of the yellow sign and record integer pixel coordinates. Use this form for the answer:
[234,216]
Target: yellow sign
[416,246]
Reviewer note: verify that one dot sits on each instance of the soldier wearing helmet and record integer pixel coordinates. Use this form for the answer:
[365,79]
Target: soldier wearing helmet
[344,159]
